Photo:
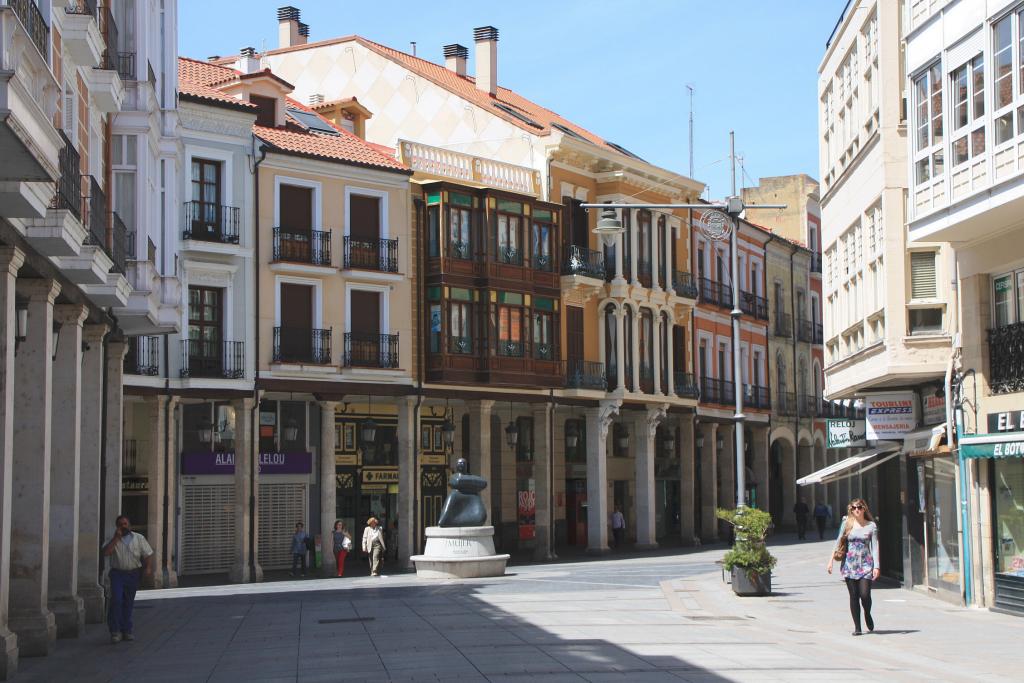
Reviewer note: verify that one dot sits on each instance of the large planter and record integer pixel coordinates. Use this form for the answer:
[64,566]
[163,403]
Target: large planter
[743,585]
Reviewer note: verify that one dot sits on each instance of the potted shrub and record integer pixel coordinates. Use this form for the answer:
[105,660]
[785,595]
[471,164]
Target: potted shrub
[749,560]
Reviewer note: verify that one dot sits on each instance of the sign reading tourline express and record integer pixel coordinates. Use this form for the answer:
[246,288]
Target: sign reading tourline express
[205,462]
[890,415]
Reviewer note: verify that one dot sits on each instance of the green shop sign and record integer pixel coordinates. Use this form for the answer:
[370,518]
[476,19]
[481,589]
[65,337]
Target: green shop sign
[993,446]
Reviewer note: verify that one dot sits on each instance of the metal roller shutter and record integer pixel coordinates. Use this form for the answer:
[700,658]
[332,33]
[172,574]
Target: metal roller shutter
[281,506]
[208,535]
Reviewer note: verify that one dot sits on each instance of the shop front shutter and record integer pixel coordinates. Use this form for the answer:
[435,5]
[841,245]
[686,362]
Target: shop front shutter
[280,507]
[922,275]
[208,533]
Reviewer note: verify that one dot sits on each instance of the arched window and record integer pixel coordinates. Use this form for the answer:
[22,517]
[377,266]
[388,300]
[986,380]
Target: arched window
[628,347]
[644,246]
[659,272]
[646,350]
[802,376]
[611,346]
[780,369]
[666,330]
[627,246]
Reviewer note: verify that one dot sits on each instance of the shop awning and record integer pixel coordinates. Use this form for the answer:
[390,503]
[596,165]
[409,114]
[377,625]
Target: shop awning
[852,466]
[1009,445]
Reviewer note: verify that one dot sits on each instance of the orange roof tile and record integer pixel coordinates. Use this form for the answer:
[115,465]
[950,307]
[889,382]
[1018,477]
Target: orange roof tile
[195,79]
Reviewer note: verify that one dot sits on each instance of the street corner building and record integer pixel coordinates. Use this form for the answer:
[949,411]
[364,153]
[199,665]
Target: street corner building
[90,154]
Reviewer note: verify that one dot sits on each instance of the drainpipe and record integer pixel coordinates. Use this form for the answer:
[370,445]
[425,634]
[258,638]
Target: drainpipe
[965,469]
[104,390]
[551,474]
[418,210]
[167,456]
[253,426]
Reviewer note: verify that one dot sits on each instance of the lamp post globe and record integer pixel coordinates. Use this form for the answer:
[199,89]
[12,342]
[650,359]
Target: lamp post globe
[608,227]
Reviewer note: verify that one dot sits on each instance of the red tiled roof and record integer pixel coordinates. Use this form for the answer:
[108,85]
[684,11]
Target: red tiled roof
[199,78]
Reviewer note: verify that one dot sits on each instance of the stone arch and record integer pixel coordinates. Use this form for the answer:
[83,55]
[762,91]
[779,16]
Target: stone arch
[782,476]
[804,462]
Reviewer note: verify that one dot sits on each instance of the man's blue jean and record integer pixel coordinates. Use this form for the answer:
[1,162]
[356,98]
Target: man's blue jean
[123,586]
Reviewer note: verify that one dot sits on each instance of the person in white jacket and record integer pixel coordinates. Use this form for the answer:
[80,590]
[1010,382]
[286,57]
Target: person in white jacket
[373,544]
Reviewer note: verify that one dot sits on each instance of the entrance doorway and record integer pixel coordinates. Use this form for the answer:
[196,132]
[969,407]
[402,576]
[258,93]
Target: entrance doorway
[576,512]
[666,516]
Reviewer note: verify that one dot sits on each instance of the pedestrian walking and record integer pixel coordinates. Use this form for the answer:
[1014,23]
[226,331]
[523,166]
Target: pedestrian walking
[373,544]
[820,517]
[342,545]
[801,511]
[130,554]
[857,547]
[299,548]
[618,527]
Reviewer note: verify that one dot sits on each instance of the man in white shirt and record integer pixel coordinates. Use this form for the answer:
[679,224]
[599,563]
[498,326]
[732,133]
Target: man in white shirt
[618,527]
[129,552]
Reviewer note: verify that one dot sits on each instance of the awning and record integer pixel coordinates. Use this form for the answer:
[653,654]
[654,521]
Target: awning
[1009,445]
[852,466]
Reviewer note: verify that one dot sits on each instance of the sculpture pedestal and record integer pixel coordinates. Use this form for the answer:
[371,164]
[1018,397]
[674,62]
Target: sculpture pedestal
[465,552]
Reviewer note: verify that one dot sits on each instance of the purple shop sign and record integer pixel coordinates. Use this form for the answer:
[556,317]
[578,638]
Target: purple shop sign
[224,463]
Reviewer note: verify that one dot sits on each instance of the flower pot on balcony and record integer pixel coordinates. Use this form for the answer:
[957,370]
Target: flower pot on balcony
[747,584]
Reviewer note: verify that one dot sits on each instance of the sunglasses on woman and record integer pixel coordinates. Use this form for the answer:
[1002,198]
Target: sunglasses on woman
[856,507]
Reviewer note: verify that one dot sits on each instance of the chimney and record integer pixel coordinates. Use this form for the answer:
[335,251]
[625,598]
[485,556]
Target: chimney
[315,99]
[248,62]
[486,38]
[455,57]
[290,31]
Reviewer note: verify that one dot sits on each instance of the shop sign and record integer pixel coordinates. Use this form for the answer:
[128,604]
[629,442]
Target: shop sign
[845,433]
[205,462]
[1001,449]
[433,459]
[286,463]
[527,511]
[933,409]
[371,476]
[134,483]
[1010,421]
[890,415]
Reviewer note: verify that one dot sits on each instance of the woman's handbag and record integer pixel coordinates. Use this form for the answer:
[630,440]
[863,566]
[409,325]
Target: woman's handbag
[839,554]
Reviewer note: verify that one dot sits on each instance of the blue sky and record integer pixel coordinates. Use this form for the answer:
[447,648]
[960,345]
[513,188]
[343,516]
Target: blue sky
[619,68]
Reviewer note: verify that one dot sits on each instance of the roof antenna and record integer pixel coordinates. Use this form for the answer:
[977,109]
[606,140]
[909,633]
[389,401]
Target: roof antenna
[413,43]
[690,88]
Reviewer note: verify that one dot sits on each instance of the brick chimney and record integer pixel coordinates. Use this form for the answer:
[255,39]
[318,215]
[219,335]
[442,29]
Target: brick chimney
[248,62]
[455,57]
[486,38]
[290,31]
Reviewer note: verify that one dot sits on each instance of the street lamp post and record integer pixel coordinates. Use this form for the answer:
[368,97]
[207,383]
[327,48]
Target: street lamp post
[720,221]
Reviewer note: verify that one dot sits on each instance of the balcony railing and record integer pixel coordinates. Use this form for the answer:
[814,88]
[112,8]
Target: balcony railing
[510,348]
[804,330]
[313,247]
[98,220]
[715,293]
[754,305]
[783,325]
[68,194]
[718,391]
[585,262]
[815,262]
[510,255]
[756,396]
[34,23]
[126,66]
[379,254]
[143,357]
[119,243]
[1006,358]
[364,350]
[202,358]
[460,345]
[685,385]
[808,405]
[108,27]
[460,250]
[544,351]
[585,374]
[210,222]
[302,345]
[819,334]
[785,403]
[542,262]
[684,285]
[646,377]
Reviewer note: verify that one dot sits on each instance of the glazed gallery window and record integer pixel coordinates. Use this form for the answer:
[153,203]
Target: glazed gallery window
[1008,298]
[968,97]
[460,226]
[460,327]
[543,230]
[510,330]
[928,155]
[510,238]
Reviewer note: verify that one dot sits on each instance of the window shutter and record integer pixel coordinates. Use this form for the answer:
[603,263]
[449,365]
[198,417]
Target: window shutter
[68,113]
[922,275]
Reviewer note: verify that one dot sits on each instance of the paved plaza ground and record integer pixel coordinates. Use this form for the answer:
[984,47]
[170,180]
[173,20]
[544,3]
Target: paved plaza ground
[635,617]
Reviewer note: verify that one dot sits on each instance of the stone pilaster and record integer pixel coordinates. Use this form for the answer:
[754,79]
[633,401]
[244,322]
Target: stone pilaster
[645,426]
[30,615]
[245,494]
[328,487]
[709,482]
[113,452]
[90,536]
[687,496]
[68,608]
[480,447]
[726,461]
[598,421]
[159,420]
[11,259]
[759,451]
[408,478]
[620,350]
[542,466]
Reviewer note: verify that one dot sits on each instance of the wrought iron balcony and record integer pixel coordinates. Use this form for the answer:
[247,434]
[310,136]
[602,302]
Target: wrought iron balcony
[543,351]
[783,325]
[143,357]
[101,228]
[202,358]
[379,254]
[718,391]
[126,66]
[819,334]
[685,385]
[370,350]
[684,285]
[585,262]
[785,403]
[460,250]
[1006,359]
[804,330]
[808,405]
[209,222]
[754,305]
[542,262]
[68,194]
[585,374]
[756,396]
[510,255]
[510,348]
[302,345]
[715,293]
[35,25]
[120,240]
[815,262]
[108,27]
[297,246]
[460,345]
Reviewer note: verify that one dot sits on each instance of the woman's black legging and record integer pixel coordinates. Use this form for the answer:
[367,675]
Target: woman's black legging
[860,594]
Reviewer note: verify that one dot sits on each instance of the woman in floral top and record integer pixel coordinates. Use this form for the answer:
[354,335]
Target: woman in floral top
[860,567]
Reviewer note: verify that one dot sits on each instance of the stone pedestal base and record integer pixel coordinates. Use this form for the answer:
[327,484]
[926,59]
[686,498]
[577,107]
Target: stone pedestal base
[8,654]
[94,602]
[37,631]
[459,553]
[69,615]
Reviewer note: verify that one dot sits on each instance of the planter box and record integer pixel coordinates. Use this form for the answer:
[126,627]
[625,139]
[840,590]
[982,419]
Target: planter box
[742,585]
